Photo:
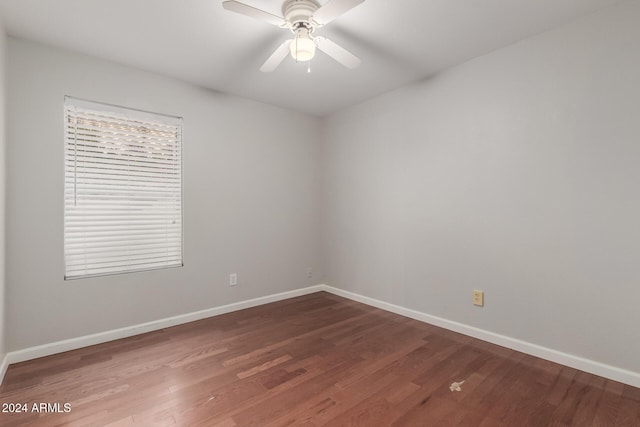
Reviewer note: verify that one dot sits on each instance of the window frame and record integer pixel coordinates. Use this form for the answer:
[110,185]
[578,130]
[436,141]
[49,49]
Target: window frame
[132,114]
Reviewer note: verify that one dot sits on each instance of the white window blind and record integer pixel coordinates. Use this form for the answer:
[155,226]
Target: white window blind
[123,190]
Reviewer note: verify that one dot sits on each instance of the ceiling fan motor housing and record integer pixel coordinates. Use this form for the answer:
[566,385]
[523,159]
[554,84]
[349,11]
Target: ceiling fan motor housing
[299,12]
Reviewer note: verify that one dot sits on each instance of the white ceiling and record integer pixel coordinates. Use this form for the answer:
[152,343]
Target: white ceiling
[399,41]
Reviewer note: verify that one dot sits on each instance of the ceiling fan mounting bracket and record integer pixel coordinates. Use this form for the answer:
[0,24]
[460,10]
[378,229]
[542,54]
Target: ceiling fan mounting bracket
[298,13]
[302,24]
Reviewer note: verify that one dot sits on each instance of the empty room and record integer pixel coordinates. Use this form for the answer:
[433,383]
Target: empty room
[320,213]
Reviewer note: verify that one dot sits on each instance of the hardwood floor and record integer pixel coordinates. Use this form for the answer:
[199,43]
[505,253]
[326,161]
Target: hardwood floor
[310,361]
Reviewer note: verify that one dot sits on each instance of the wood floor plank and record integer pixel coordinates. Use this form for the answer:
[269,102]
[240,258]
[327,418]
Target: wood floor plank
[315,360]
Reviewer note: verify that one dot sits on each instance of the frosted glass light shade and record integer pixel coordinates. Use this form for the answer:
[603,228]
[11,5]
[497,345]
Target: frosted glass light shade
[302,49]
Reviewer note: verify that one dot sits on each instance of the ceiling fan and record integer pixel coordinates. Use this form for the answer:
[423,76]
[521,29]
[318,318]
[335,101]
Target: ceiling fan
[302,17]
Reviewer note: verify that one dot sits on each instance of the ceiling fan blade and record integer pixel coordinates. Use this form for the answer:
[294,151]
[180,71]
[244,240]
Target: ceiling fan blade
[333,9]
[276,58]
[337,52]
[261,15]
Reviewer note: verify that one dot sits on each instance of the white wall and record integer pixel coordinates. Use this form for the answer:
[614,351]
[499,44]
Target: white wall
[250,199]
[3,322]
[516,173]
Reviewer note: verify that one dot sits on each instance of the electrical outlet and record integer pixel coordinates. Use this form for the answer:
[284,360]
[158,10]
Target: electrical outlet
[233,279]
[309,273]
[478,298]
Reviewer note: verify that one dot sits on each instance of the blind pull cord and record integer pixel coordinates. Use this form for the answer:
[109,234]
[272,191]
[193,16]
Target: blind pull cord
[75,157]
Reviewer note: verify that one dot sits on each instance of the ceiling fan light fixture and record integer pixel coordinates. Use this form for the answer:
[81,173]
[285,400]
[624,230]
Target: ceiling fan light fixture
[302,48]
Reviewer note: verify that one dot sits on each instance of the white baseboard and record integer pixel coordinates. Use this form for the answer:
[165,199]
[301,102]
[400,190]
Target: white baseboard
[4,364]
[577,362]
[597,368]
[102,337]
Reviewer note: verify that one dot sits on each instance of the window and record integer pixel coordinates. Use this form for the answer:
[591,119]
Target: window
[123,190]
